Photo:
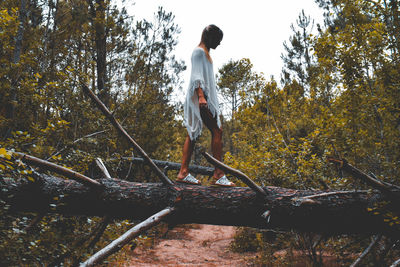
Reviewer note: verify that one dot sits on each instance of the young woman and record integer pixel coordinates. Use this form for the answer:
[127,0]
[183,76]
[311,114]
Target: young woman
[201,106]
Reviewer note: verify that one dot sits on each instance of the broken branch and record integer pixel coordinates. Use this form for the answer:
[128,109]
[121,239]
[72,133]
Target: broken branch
[384,187]
[102,168]
[118,243]
[58,169]
[396,263]
[243,177]
[367,250]
[76,141]
[165,180]
[174,165]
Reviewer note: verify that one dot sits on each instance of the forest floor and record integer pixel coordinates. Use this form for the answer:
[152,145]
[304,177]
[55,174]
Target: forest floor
[198,245]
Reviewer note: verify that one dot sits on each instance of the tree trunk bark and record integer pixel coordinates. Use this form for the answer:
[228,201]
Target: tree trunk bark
[98,12]
[11,106]
[282,209]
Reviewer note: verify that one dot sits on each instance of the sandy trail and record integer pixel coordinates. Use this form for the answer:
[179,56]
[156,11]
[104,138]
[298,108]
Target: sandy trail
[206,246]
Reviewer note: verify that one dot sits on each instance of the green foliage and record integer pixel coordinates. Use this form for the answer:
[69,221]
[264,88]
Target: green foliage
[237,83]
[351,111]
[298,58]
[52,119]
[339,97]
[246,239]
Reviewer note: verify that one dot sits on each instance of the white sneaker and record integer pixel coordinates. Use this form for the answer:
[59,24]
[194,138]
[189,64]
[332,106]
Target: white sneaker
[223,181]
[189,179]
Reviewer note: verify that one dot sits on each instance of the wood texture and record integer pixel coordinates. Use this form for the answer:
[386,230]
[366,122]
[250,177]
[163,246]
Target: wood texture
[301,210]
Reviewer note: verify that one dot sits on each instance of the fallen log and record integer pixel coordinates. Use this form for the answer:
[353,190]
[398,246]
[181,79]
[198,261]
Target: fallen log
[301,210]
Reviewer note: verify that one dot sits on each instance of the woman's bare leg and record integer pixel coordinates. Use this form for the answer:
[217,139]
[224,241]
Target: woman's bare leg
[216,138]
[187,152]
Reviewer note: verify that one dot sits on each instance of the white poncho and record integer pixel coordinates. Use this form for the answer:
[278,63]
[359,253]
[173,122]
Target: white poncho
[202,75]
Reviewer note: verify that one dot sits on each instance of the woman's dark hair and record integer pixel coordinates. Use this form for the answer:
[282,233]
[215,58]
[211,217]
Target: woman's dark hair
[211,33]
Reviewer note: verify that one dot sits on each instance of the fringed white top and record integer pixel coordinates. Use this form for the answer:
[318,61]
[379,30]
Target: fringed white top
[202,75]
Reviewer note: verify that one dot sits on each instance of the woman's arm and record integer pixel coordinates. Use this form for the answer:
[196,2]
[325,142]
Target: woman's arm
[202,99]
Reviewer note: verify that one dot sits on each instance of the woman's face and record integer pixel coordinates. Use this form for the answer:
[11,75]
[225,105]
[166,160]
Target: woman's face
[214,41]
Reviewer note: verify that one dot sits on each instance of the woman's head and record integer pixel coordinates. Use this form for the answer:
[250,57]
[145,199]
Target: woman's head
[211,36]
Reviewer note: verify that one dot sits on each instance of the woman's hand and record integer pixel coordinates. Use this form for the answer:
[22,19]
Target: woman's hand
[202,99]
[202,102]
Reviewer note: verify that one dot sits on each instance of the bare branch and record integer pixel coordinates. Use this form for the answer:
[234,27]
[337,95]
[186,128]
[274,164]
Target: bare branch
[356,173]
[311,198]
[174,165]
[58,169]
[76,141]
[102,168]
[317,241]
[367,250]
[99,231]
[243,177]
[396,263]
[118,243]
[122,132]
[330,194]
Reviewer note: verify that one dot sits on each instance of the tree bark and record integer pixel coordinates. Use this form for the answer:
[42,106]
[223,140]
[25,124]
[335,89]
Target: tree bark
[98,18]
[11,106]
[283,209]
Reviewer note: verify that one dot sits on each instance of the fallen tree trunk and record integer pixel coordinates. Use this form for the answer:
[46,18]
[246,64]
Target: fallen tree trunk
[283,209]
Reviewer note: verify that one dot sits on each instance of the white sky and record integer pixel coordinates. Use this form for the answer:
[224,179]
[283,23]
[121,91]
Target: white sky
[254,29]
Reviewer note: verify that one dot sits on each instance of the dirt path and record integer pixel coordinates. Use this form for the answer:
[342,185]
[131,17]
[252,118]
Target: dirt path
[205,245]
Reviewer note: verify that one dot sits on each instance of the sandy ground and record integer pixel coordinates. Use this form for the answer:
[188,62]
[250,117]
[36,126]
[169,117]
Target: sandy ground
[205,245]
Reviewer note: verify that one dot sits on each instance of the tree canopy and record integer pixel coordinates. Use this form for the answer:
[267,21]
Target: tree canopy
[338,96]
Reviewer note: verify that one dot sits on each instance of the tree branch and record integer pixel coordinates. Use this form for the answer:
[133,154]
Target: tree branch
[366,251]
[118,243]
[58,169]
[243,177]
[99,231]
[174,165]
[100,165]
[76,141]
[164,179]
[103,224]
[396,263]
[384,187]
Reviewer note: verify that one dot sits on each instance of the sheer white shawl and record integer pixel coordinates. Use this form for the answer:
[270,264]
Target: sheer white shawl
[202,75]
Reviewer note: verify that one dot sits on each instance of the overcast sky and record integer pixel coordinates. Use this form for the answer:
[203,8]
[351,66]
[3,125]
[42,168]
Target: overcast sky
[254,29]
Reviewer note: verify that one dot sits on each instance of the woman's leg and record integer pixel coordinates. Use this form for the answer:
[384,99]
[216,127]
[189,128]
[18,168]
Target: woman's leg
[216,138]
[187,151]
